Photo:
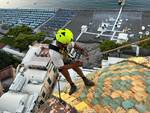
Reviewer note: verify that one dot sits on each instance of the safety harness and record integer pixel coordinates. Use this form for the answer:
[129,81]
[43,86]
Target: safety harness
[71,54]
[55,48]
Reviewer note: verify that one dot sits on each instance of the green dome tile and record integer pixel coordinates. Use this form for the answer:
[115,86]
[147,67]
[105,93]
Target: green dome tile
[128,104]
[100,81]
[84,93]
[122,85]
[147,82]
[116,85]
[114,105]
[95,101]
[148,89]
[136,73]
[141,108]
[123,88]
[118,100]
[109,74]
[147,73]
[116,74]
[102,78]
[106,100]
[97,95]
[147,104]
[138,67]
[83,96]
[125,74]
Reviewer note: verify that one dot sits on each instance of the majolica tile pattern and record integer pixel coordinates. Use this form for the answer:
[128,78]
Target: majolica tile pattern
[120,88]
[55,105]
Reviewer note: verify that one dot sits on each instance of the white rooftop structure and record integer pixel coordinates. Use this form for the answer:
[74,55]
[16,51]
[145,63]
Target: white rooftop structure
[84,28]
[34,82]
[143,28]
[16,103]
[35,75]
[103,27]
[123,37]
[111,61]
[14,52]
[31,88]
[30,54]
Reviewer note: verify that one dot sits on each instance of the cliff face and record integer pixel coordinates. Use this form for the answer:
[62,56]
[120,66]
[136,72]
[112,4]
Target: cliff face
[120,88]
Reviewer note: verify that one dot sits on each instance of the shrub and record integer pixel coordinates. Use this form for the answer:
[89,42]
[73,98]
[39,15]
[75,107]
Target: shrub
[146,44]
[108,45]
[15,31]
[7,59]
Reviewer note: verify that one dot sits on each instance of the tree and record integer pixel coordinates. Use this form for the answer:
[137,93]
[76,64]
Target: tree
[15,31]
[40,36]
[47,41]
[22,41]
[7,41]
[21,37]
[108,45]
[7,59]
[146,44]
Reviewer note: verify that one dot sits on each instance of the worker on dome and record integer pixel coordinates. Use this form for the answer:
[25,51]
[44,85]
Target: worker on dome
[63,60]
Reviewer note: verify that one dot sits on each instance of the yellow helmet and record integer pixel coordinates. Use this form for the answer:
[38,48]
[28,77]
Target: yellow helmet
[64,36]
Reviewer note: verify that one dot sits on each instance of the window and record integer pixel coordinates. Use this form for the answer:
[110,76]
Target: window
[43,94]
[49,81]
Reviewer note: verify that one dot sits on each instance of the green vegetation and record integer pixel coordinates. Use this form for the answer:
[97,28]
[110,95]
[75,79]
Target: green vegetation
[15,31]
[23,40]
[40,36]
[7,41]
[47,41]
[146,44]
[7,59]
[108,45]
[21,37]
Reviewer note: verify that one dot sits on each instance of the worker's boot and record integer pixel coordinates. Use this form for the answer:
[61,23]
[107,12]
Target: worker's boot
[72,89]
[88,82]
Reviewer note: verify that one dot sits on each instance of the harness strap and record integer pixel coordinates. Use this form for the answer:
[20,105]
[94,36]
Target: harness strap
[55,48]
